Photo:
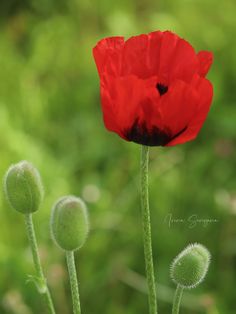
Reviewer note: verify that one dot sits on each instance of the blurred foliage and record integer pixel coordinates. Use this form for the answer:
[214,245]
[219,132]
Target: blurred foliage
[50,115]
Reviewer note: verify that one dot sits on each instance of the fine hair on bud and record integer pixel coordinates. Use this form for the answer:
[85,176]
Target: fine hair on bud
[69,223]
[189,268]
[23,187]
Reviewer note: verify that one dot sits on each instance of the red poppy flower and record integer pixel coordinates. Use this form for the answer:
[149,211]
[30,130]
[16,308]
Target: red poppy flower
[153,88]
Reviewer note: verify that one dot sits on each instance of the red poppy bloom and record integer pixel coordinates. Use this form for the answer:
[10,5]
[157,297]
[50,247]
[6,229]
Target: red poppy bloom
[153,88]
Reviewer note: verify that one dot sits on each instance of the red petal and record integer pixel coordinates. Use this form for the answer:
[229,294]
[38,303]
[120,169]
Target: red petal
[107,55]
[108,110]
[177,59]
[178,106]
[205,92]
[205,59]
[163,54]
[154,50]
[135,57]
[149,103]
[128,99]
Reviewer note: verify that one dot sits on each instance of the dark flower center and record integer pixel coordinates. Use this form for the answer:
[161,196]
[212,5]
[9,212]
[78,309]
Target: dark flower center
[162,89]
[139,133]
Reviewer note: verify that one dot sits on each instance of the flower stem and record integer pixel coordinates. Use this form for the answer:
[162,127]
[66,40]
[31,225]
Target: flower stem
[146,223]
[177,299]
[40,280]
[73,281]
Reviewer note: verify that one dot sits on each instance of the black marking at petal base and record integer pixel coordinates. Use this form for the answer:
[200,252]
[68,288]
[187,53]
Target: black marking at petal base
[162,89]
[139,133]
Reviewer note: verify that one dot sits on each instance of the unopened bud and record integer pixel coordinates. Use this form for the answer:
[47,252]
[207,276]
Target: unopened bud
[69,223]
[190,266]
[23,187]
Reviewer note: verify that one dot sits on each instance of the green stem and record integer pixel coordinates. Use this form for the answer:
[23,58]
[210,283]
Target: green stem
[73,281]
[146,223]
[177,299]
[40,280]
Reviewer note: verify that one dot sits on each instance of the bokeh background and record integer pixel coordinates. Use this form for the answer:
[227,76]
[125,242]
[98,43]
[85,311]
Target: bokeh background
[50,115]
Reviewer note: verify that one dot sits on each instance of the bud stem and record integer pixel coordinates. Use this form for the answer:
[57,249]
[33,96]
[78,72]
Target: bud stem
[146,223]
[70,258]
[42,284]
[177,299]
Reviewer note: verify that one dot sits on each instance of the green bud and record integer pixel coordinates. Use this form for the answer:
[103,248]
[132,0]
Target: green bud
[190,266]
[23,187]
[69,223]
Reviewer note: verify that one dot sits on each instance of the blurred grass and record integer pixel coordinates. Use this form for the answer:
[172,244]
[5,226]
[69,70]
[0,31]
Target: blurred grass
[50,115]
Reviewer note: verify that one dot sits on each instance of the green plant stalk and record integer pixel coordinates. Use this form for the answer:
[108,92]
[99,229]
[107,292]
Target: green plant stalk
[39,280]
[177,299]
[73,281]
[146,224]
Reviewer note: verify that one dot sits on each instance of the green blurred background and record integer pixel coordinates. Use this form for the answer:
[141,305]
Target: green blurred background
[50,115]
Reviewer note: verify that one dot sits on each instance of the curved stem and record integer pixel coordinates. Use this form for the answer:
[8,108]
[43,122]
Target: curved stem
[40,280]
[146,223]
[177,299]
[73,281]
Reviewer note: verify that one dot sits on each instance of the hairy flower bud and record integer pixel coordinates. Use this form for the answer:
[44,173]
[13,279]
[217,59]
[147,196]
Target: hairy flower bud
[23,187]
[69,223]
[190,266]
